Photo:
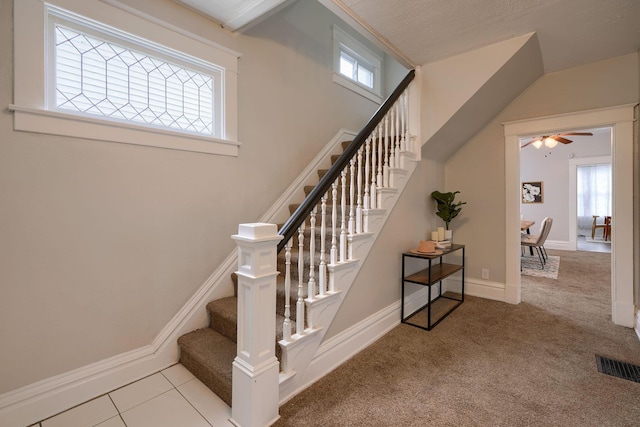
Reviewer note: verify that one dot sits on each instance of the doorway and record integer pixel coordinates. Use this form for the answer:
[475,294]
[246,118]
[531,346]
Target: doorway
[591,203]
[620,119]
[557,170]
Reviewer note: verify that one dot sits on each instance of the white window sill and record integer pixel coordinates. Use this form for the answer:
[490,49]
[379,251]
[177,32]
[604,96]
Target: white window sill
[57,123]
[355,87]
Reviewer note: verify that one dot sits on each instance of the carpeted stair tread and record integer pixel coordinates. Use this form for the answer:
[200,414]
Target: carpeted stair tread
[209,355]
[223,315]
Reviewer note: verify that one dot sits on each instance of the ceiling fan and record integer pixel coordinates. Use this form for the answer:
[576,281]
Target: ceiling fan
[552,140]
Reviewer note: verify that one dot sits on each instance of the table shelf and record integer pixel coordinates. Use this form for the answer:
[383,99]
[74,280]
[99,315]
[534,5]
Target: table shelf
[433,275]
[438,272]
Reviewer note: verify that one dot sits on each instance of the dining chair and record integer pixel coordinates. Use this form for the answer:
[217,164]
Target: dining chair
[607,228]
[597,226]
[536,241]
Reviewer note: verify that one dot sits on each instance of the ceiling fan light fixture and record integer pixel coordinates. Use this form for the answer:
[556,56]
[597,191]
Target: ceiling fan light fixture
[550,142]
[537,143]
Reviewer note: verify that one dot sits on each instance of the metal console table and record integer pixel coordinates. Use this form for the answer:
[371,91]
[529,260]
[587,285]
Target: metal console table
[434,274]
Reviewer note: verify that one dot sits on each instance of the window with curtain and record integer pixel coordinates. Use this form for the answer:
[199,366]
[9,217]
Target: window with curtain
[594,195]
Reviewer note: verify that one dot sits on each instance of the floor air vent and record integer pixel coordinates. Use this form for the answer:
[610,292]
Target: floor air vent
[618,369]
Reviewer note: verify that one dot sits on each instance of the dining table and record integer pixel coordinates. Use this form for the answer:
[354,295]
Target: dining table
[525,225]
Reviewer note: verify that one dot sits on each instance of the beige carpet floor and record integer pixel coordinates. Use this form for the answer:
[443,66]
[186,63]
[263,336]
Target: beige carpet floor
[491,364]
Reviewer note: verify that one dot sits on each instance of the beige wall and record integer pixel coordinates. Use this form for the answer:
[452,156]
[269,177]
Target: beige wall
[377,285]
[102,243]
[478,168]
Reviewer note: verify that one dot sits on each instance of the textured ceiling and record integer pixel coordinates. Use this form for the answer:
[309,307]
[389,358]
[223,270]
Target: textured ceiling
[570,32]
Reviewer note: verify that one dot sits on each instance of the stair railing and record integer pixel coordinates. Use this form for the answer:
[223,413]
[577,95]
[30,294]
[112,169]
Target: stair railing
[352,189]
[369,132]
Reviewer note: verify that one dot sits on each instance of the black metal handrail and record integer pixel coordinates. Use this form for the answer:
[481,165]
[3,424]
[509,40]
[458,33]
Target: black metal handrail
[300,214]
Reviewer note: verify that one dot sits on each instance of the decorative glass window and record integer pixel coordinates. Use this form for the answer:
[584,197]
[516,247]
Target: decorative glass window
[105,71]
[105,79]
[355,66]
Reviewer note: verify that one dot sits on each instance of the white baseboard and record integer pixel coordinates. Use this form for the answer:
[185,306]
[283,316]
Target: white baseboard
[485,289]
[637,328]
[558,244]
[48,397]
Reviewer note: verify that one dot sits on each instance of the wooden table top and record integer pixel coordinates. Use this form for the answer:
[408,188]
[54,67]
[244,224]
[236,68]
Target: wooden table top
[526,224]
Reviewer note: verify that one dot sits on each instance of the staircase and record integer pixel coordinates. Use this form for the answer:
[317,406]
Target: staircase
[324,243]
[209,352]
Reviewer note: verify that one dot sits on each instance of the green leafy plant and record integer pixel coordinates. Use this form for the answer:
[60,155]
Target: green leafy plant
[448,209]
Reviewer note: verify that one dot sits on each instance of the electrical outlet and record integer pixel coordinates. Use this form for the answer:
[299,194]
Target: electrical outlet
[485,273]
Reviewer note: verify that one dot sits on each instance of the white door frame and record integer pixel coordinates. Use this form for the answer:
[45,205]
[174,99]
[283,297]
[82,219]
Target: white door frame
[573,192]
[621,119]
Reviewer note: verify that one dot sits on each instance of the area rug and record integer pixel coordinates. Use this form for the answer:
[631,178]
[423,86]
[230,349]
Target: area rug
[531,266]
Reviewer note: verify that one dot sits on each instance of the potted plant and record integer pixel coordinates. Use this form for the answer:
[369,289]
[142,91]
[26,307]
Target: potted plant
[448,209]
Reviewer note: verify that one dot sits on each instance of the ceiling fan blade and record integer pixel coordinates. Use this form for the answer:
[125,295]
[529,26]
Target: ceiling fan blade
[576,133]
[561,139]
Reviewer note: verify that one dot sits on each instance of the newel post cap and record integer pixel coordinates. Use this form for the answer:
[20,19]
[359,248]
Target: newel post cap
[257,232]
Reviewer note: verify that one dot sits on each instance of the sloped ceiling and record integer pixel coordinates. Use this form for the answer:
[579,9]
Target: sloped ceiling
[418,32]
[458,101]
[235,14]
[570,32]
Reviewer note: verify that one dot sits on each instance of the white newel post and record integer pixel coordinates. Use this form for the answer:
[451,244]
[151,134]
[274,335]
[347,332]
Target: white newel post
[255,391]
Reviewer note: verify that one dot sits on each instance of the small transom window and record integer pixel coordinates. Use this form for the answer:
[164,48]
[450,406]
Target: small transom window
[355,66]
[351,68]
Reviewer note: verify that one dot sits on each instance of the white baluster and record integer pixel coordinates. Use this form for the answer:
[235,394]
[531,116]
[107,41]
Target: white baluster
[392,135]
[385,170]
[300,302]
[286,325]
[407,136]
[380,155]
[311,293]
[403,121]
[334,220]
[343,214]
[396,131]
[359,193]
[372,191]
[367,157]
[322,268]
[352,187]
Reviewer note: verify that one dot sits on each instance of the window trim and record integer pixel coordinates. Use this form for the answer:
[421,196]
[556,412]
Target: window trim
[343,42]
[31,113]
[59,17]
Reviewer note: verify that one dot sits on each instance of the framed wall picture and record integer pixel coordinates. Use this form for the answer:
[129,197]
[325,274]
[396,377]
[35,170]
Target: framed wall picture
[532,192]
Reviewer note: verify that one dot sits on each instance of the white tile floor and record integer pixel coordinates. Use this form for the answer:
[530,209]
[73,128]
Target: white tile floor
[170,398]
